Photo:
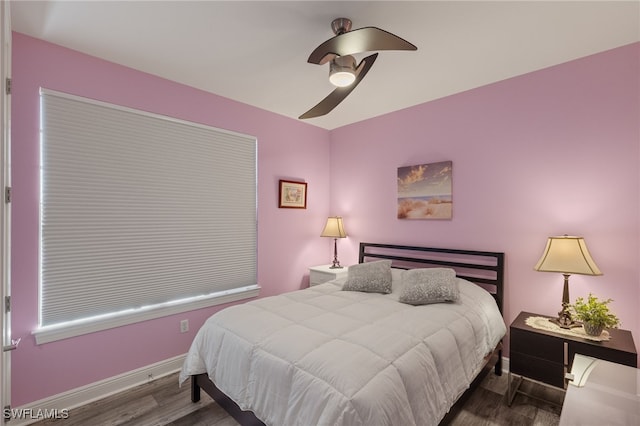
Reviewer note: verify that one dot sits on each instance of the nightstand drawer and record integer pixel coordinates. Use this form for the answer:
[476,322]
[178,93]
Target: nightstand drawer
[596,351]
[319,277]
[322,274]
[538,369]
[537,345]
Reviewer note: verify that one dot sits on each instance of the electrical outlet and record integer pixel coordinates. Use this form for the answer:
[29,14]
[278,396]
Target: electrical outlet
[184,326]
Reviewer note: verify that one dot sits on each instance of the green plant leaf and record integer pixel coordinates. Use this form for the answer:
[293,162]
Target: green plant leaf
[594,311]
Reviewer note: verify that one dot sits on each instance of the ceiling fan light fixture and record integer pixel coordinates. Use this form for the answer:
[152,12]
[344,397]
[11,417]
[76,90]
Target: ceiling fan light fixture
[342,71]
[342,78]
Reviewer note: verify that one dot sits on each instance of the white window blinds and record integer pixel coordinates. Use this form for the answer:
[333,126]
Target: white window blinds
[139,209]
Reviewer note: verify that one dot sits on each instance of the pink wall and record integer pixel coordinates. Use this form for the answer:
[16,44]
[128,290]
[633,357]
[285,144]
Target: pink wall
[547,153]
[551,152]
[288,239]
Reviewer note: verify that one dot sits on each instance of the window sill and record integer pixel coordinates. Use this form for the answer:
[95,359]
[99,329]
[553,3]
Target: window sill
[78,328]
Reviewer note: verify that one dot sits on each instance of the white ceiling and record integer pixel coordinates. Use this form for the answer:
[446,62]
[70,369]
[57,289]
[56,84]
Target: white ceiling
[256,51]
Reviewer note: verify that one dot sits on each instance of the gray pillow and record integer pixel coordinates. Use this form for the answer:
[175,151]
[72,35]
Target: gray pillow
[429,285]
[369,277]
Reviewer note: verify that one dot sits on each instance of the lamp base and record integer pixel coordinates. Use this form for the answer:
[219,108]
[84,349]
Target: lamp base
[336,262]
[564,320]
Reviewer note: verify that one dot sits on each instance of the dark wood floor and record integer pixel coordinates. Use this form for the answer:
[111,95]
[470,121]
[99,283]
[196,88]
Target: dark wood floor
[162,402]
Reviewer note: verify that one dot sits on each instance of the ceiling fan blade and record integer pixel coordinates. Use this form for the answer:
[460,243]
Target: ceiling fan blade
[334,98]
[367,39]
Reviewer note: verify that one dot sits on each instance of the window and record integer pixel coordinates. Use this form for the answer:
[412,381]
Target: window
[141,216]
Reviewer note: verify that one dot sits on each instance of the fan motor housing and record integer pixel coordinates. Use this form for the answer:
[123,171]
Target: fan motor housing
[341,25]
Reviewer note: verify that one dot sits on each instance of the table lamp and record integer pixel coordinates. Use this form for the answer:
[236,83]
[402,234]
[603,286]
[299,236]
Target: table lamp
[334,229]
[567,255]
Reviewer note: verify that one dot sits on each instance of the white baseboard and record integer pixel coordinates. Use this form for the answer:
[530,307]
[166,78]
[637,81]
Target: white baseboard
[97,390]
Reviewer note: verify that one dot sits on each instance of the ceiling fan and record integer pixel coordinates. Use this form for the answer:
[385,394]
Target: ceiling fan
[343,71]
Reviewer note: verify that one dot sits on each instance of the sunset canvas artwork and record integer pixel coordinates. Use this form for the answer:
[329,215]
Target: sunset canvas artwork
[424,191]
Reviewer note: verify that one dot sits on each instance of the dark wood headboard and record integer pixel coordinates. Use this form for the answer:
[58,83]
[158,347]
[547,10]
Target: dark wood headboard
[485,268]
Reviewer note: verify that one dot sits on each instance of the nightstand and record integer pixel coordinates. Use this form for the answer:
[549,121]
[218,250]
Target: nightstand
[324,273]
[546,356]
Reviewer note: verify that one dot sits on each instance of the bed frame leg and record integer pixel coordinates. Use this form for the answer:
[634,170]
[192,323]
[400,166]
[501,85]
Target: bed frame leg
[195,390]
[498,367]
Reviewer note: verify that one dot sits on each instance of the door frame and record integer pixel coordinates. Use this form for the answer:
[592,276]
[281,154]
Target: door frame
[5,210]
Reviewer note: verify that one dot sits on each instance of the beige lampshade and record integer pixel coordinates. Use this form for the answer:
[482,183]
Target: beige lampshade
[334,228]
[567,255]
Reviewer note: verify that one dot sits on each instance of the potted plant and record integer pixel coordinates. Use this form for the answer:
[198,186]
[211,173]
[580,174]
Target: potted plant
[594,314]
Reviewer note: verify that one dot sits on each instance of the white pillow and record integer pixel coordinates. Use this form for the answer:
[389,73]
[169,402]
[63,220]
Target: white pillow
[429,285]
[397,281]
[369,277]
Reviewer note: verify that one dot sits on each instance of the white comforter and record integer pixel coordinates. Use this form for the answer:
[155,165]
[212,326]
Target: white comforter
[322,356]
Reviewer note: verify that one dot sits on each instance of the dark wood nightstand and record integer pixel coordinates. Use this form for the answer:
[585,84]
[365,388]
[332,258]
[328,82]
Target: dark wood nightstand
[546,356]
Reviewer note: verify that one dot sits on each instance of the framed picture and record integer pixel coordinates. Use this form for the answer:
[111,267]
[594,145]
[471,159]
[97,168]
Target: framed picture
[293,195]
[424,191]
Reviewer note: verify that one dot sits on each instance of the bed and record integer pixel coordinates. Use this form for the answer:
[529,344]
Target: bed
[347,353]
